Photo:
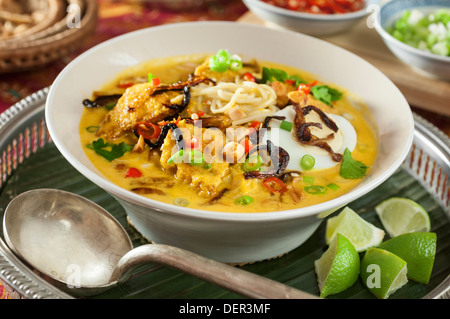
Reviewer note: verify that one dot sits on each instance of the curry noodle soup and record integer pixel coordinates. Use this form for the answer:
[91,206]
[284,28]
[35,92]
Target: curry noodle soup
[218,132]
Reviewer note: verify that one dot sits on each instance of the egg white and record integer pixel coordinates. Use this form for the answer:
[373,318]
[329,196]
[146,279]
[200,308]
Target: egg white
[344,138]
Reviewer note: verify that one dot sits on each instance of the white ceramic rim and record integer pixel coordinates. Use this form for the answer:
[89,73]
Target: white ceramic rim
[310,16]
[115,190]
[389,38]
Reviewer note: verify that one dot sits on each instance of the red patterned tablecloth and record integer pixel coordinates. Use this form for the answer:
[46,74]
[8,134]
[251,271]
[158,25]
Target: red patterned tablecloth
[115,18]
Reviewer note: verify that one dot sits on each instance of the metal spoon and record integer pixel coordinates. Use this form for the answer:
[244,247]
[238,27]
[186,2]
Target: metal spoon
[80,248]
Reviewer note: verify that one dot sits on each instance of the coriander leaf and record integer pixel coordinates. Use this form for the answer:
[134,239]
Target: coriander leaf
[350,168]
[269,74]
[110,106]
[325,94]
[279,75]
[272,73]
[109,151]
[298,80]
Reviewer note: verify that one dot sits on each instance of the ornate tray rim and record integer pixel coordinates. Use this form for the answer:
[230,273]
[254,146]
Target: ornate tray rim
[15,274]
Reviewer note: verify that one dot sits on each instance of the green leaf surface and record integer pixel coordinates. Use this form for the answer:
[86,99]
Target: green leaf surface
[48,168]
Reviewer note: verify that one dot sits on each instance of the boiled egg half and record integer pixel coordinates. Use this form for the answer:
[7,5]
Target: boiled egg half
[344,138]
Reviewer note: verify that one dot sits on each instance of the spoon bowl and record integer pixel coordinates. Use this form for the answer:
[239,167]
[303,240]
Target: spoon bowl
[82,249]
[65,237]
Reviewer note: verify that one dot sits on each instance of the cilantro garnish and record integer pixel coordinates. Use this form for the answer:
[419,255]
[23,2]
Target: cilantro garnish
[269,75]
[109,151]
[325,94]
[350,168]
[110,106]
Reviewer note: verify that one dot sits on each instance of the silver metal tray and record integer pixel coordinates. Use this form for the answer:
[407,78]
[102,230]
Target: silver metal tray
[23,132]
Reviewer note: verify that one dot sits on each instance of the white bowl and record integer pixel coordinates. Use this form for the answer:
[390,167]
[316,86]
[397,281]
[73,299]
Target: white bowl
[308,23]
[423,62]
[228,237]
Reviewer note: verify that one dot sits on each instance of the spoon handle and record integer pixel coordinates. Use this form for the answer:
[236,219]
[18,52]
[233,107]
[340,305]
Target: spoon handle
[235,279]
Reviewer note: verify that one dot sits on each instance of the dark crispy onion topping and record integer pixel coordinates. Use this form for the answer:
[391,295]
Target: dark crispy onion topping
[186,100]
[278,156]
[102,100]
[304,135]
[325,119]
[268,118]
[178,135]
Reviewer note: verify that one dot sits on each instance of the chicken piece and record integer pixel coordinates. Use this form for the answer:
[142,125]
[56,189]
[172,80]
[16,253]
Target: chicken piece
[139,103]
[281,90]
[207,182]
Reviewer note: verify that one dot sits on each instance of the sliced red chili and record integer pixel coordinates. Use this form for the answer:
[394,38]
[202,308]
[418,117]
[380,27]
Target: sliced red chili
[148,131]
[156,81]
[275,185]
[305,88]
[289,81]
[194,142]
[162,123]
[125,85]
[247,145]
[133,172]
[249,77]
[255,124]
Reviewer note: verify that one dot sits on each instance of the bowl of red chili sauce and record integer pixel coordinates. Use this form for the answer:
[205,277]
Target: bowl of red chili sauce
[313,17]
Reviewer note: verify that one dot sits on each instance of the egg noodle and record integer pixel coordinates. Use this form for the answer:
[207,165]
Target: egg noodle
[255,100]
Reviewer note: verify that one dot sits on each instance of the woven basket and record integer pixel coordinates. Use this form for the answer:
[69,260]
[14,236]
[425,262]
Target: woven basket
[47,43]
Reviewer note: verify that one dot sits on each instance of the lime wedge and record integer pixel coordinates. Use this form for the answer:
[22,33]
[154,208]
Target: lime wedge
[338,268]
[418,250]
[401,215]
[361,233]
[382,272]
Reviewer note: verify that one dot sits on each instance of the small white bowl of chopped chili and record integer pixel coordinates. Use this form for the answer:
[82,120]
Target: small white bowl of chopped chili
[313,17]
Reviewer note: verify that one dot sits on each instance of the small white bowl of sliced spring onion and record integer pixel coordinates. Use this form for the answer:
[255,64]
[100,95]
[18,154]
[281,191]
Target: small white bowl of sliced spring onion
[418,33]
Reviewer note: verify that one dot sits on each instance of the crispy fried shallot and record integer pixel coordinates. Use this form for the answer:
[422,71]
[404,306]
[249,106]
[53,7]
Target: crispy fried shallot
[303,133]
[278,156]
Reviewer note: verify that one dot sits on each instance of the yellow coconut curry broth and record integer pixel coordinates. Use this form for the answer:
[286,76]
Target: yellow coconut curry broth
[219,133]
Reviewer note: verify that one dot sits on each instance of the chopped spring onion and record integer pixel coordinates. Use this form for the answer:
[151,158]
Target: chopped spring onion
[110,106]
[220,61]
[196,157]
[307,162]
[207,165]
[176,158]
[223,61]
[315,189]
[181,202]
[308,179]
[333,186]
[235,65]
[427,31]
[285,125]
[244,200]
[92,129]
[252,163]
